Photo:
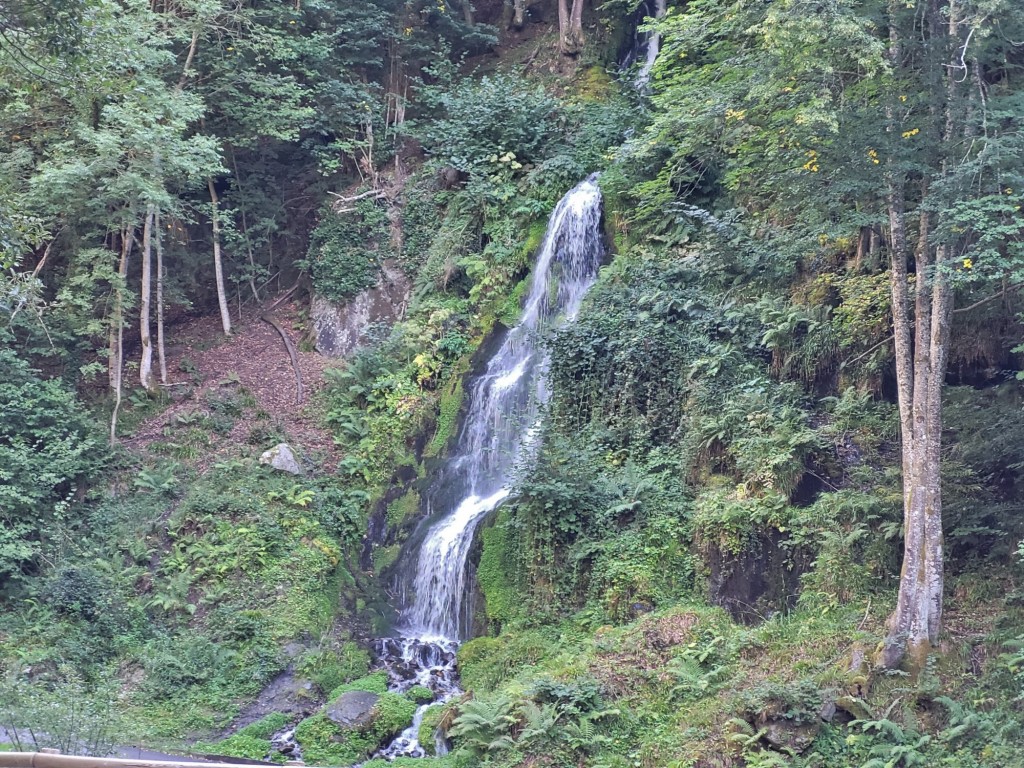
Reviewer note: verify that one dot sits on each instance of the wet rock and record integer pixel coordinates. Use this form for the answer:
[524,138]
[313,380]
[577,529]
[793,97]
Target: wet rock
[787,736]
[353,709]
[281,457]
[340,329]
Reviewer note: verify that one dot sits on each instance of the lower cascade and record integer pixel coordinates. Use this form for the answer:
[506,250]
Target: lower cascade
[498,433]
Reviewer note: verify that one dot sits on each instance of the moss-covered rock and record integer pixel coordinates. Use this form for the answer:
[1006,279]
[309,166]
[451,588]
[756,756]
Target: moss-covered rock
[420,694]
[329,743]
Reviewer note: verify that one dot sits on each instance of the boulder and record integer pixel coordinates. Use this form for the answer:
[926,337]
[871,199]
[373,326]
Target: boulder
[791,737]
[340,329]
[282,457]
[353,709]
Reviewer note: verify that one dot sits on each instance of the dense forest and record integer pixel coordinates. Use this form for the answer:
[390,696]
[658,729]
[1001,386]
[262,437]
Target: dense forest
[261,262]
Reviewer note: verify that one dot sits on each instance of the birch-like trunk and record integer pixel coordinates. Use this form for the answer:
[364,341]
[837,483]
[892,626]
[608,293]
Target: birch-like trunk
[218,266]
[160,354]
[146,289]
[116,360]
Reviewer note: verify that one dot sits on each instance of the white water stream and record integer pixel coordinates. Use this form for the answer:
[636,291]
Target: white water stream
[498,433]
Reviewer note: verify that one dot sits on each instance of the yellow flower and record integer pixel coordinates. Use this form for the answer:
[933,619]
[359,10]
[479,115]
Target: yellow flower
[968,263]
[914,132]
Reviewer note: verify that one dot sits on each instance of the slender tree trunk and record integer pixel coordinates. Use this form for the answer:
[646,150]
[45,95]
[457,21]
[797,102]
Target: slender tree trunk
[146,290]
[218,266]
[116,361]
[160,354]
[467,12]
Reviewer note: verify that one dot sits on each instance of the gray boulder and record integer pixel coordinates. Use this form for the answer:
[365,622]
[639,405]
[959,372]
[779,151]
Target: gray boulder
[282,457]
[353,709]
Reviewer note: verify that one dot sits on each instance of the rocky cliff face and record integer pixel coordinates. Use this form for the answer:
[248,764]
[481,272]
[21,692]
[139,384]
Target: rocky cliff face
[340,329]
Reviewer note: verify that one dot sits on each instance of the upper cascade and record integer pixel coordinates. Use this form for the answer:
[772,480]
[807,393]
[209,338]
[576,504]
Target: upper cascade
[504,411]
[651,43]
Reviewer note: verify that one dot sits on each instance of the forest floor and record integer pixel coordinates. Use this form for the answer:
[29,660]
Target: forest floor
[202,364]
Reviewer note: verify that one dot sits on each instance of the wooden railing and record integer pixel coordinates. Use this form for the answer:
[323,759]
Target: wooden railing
[53,759]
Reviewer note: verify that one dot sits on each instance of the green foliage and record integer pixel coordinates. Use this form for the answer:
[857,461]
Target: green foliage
[346,249]
[328,744]
[69,716]
[333,667]
[483,120]
[48,448]
[251,742]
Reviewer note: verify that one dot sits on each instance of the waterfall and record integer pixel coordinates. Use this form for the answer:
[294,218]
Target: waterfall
[503,411]
[497,434]
[652,45]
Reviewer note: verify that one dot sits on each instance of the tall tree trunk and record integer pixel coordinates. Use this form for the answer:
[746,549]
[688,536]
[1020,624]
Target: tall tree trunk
[160,354]
[146,290]
[116,360]
[570,27]
[218,266]
[467,12]
[913,628]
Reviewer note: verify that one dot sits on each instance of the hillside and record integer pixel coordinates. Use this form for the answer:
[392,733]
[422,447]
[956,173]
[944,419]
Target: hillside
[528,383]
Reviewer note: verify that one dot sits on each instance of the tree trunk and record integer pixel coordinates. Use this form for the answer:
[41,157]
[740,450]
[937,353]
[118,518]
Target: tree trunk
[160,354]
[518,14]
[116,360]
[914,627]
[570,27]
[146,364]
[467,12]
[218,267]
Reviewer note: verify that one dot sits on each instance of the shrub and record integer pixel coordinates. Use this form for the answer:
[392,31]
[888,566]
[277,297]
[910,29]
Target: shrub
[487,118]
[48,448]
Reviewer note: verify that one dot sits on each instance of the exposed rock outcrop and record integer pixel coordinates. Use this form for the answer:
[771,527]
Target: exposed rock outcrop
[340,329]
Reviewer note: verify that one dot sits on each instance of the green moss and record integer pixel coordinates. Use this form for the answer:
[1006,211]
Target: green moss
[480,662]
[502,599]
[595,84]
[404,508]
[394,714]
[384,557]
[428,725]
[375,683]
[447,419]
[508,313]
[419,694]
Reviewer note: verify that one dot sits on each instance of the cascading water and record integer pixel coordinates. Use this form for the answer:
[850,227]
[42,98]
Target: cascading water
[646,45]
[653,46]
[497,434]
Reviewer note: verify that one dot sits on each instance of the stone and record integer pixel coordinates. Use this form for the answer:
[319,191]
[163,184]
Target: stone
[281,457]
[338,330]
[787,736]
[353,709]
